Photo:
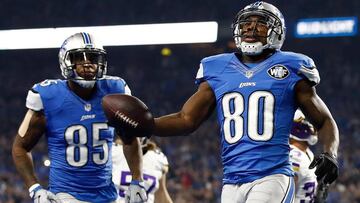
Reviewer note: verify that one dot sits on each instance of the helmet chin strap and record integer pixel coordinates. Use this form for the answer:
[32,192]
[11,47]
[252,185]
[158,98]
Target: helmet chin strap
[252,49]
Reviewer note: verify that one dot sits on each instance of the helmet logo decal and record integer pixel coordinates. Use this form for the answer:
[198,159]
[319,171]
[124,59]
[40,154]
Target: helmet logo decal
[278,72]
[256,4]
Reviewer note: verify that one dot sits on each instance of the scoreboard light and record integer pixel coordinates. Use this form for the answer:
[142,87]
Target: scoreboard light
[117,35]
[326,27]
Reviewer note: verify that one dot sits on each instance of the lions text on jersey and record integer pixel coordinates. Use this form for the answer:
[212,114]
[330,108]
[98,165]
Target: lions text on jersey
[79,139]
[255,109]
[154,164]
[306,178]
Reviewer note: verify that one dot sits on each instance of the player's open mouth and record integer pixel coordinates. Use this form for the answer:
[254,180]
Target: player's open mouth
[250,39]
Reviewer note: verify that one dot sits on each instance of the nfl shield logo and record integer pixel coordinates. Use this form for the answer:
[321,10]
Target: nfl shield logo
[87,107]
[249,74]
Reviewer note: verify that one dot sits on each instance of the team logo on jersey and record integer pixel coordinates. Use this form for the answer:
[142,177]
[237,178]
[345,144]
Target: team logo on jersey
[87,107]
[85,117]
[247,84]
[278,72]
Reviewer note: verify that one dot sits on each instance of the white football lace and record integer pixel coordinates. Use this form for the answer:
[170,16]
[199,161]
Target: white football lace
[126,119]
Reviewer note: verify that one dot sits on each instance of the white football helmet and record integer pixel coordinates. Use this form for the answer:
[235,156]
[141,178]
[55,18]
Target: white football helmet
[274,21]
[303,130]
[84,46]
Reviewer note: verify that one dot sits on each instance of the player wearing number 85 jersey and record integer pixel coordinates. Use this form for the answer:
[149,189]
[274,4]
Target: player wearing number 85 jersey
[255,93]
[79,140]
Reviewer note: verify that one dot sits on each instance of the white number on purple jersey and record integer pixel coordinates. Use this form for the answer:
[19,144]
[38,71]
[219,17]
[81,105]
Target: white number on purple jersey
[150,182]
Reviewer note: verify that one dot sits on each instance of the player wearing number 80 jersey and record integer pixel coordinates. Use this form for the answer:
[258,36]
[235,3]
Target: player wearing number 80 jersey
[255,93]
[252,117]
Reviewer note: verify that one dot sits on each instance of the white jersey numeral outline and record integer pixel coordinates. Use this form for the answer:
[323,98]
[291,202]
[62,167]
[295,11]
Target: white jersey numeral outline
[81,147]
[236,100]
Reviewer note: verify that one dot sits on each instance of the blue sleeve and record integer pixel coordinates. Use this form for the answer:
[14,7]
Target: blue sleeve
[304,68]
[112,85]
[49,91]
[211,67]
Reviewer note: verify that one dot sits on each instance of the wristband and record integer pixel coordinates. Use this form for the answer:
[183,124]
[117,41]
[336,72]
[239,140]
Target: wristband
[33,189]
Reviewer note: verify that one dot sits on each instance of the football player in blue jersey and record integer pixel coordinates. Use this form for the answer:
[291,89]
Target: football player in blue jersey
[79,139]
[255,93]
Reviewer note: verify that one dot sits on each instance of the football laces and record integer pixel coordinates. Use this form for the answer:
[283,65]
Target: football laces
[126,119]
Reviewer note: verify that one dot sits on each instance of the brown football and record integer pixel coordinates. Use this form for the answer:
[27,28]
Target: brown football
[128,114]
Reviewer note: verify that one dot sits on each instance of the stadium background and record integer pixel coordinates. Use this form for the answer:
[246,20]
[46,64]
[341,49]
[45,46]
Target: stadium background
[163,82]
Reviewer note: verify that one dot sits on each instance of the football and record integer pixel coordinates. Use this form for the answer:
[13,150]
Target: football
[128,114]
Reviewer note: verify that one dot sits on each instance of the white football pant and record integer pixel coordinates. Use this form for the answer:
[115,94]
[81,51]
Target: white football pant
[276,188]
[67,198]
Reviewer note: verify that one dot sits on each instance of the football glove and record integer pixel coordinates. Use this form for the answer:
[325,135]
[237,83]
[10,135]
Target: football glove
[40,195]
[327,169]
[321,193]
[136,192]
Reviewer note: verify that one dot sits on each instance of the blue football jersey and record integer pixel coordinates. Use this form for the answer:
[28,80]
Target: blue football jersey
[79,139]
[255,109]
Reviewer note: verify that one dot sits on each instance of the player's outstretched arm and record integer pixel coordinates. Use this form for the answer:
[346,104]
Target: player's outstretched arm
[196,109]
[327,169]
[162,194]
[319,115]
[133,155]
[30,131]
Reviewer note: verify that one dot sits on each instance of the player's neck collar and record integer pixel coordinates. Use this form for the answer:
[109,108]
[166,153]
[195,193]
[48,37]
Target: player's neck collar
[83,93]
[256,58]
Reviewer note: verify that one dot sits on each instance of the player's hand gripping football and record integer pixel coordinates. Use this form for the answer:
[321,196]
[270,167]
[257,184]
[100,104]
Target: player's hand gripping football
[40,195]
[136,192]
[327,169]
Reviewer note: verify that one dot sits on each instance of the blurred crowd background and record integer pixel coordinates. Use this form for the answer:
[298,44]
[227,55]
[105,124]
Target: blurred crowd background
[163,77]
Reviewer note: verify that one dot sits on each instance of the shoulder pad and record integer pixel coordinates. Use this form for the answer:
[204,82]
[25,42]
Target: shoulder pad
[158,155]
[33,101]
[295,155]
[47,87]
[114,84]
[44,89]
[218,57]
[310,73]
[212,66]
[303,65]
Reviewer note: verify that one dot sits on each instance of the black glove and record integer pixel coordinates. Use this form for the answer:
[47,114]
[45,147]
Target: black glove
[321,193]
[327,169]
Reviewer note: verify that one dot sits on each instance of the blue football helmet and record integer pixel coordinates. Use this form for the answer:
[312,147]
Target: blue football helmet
[274,20]
[82,47]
